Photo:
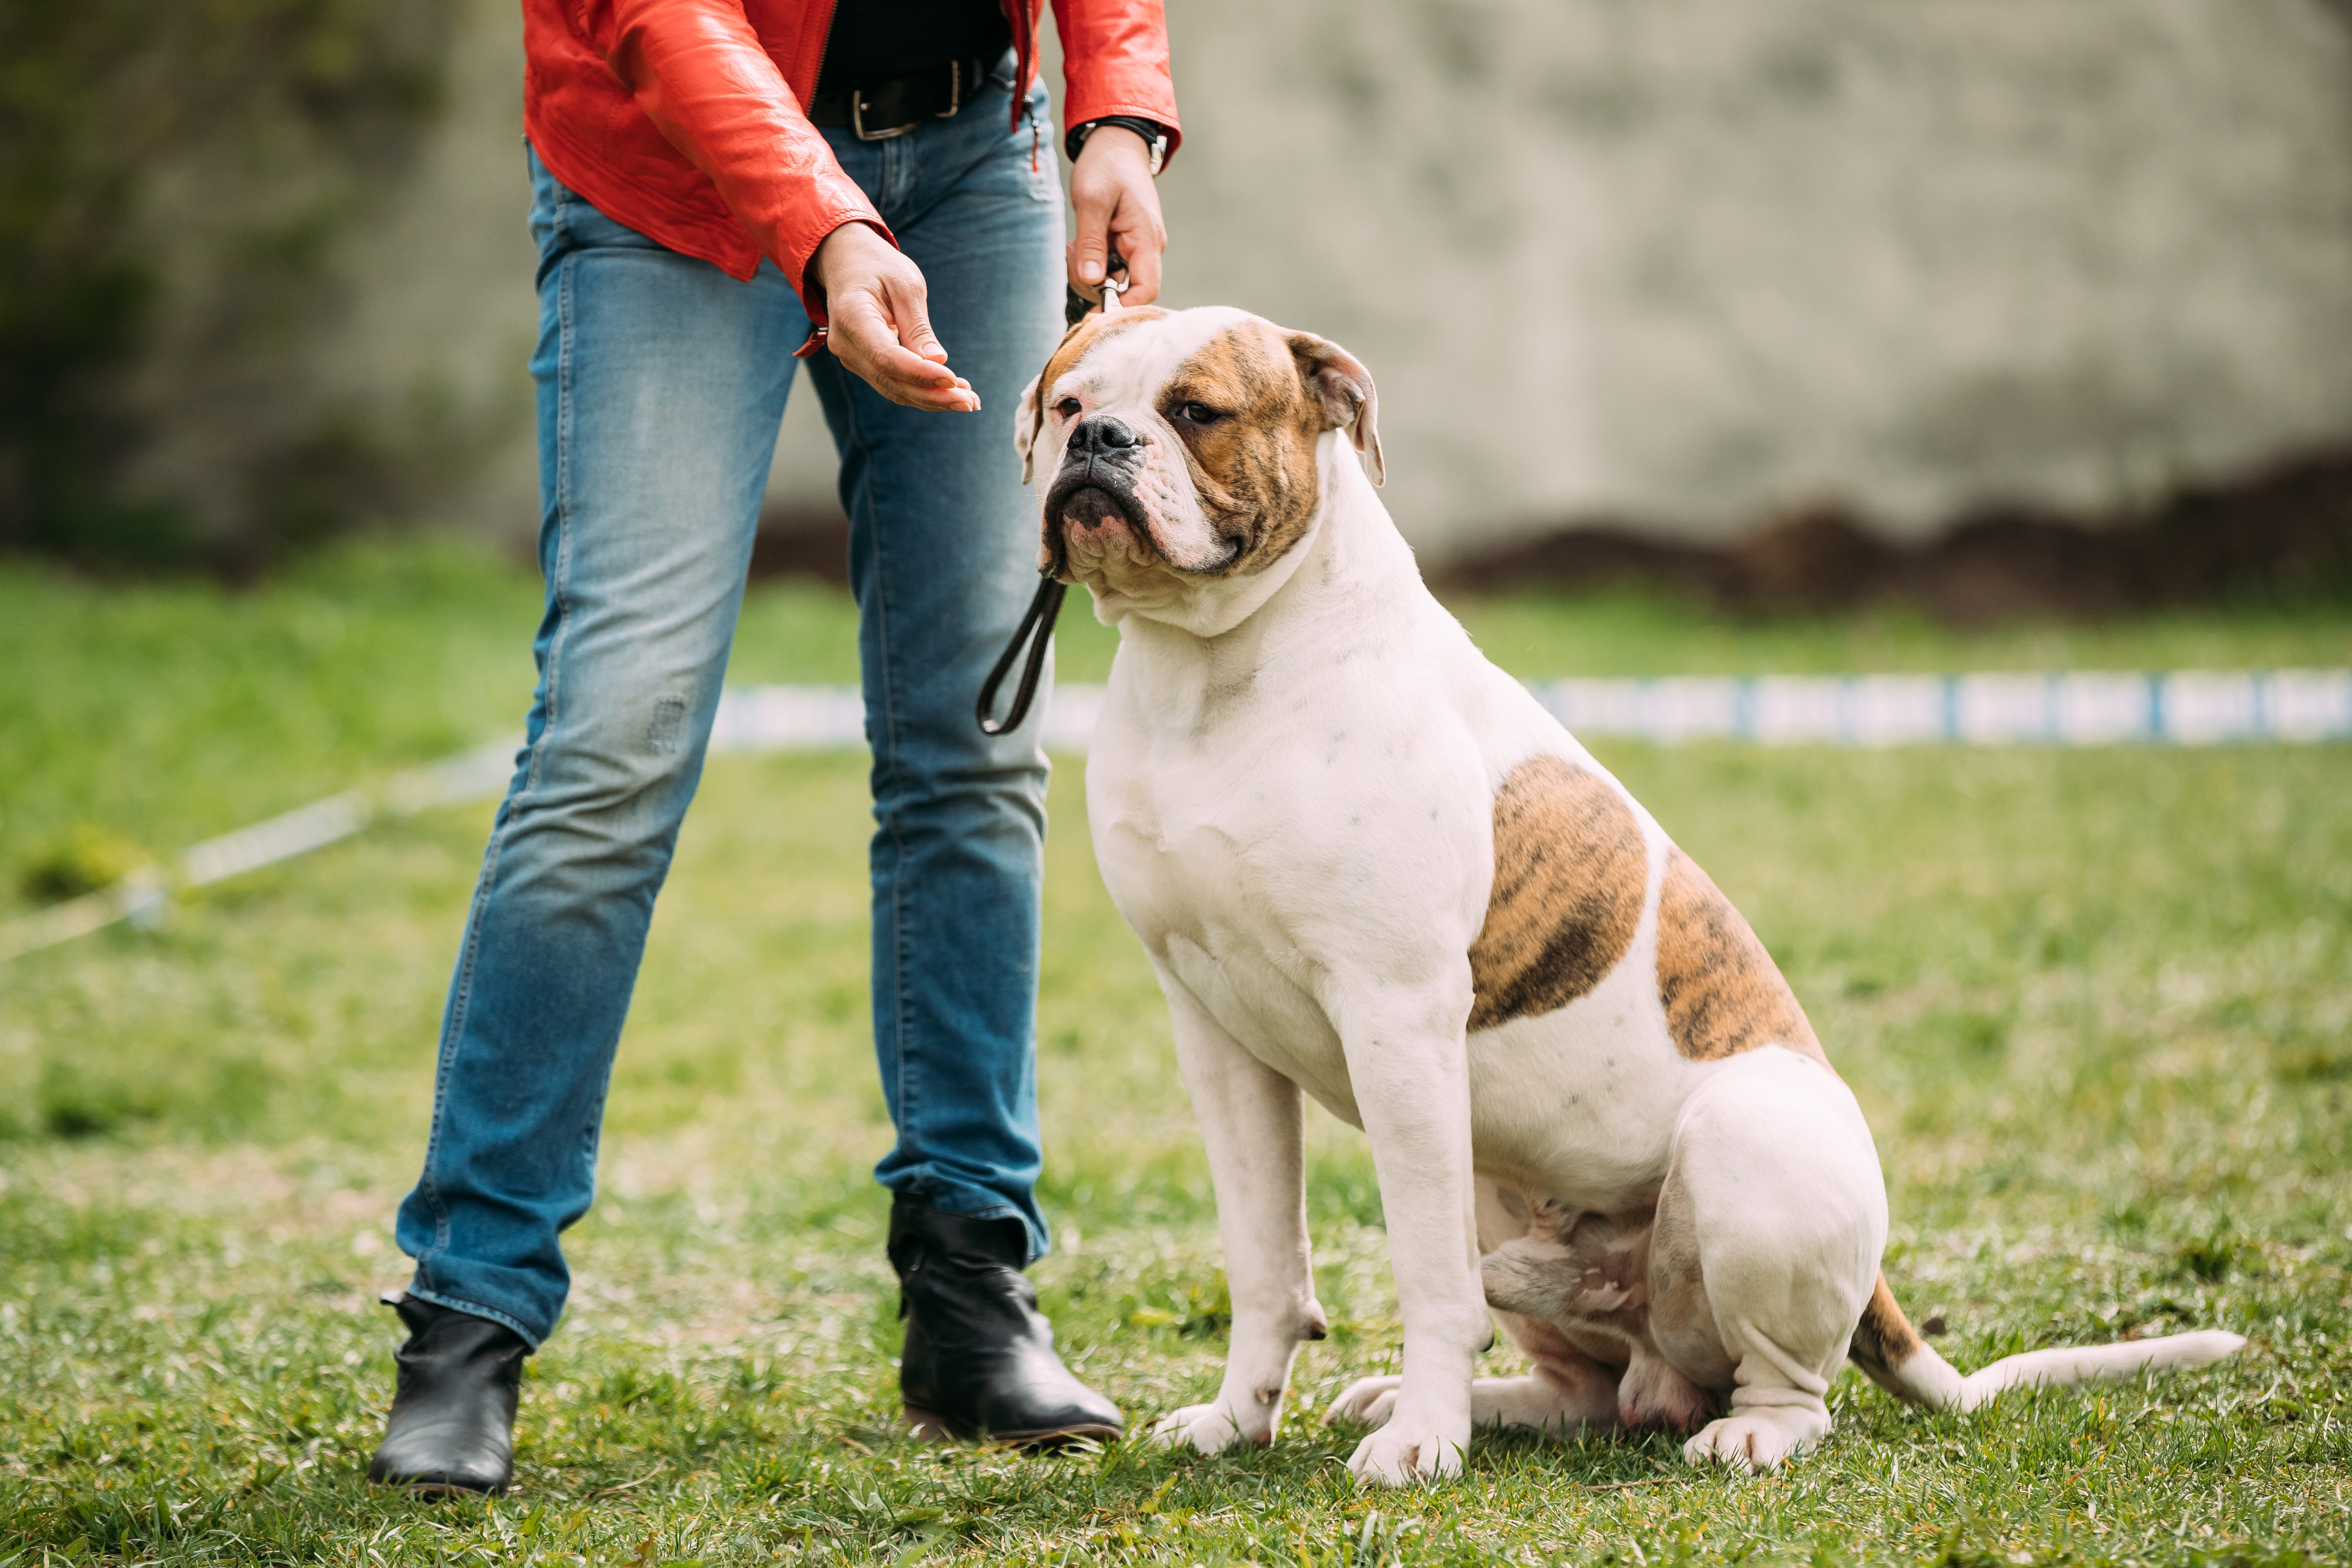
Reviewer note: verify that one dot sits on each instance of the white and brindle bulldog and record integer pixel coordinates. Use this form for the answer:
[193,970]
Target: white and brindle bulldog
[1367,865]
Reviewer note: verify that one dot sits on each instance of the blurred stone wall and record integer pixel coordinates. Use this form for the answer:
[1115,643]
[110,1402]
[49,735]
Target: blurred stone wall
[1683,264]
[1690,263]
[443,312]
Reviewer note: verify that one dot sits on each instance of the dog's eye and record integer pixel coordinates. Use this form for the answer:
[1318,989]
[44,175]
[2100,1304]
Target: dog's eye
[1198,414]
[1068,408]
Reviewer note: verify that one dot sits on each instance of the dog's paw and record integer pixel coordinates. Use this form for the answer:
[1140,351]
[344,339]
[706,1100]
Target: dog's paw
[1208,1428]
[1367,1402]
[1407,1451]
[1755,1441]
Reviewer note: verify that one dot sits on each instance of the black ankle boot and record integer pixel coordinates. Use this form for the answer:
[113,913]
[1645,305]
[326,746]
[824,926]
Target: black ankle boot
[452,1426]
[980,1359]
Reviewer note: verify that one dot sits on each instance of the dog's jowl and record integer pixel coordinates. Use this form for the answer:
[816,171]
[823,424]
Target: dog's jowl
[1370,867]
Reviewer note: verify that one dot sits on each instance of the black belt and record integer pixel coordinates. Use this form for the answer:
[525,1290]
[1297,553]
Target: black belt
[882,109]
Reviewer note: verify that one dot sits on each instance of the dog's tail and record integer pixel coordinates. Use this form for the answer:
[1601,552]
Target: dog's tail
[1892,1354]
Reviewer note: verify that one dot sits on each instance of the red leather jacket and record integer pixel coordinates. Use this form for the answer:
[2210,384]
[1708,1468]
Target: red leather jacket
[682,119]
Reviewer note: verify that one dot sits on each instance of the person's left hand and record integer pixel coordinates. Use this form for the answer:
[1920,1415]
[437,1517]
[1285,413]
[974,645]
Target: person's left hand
[1111,189]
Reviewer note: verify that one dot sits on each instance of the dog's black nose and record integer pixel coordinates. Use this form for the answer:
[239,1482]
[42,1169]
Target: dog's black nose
[1102,435]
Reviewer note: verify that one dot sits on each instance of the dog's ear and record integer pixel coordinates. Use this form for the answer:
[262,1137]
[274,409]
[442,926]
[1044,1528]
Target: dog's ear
[1343,387]
[1026,420]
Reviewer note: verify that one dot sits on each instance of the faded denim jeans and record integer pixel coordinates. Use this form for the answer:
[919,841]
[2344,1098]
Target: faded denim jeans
[661,385]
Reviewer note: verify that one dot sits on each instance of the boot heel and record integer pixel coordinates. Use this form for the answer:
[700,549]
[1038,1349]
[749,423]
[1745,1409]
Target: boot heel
[926,1427]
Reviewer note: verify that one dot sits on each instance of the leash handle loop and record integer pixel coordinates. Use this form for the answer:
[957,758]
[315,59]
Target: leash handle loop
[1043,611]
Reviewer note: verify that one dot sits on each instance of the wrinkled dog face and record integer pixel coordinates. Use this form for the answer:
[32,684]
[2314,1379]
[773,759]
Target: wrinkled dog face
[1182,445]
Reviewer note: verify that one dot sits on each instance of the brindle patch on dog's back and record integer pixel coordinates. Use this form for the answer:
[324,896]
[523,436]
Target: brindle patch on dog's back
[1571,869]
[1723,994]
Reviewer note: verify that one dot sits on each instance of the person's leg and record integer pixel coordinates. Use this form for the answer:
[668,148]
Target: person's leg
[942,552]
[943,542]
[661,382]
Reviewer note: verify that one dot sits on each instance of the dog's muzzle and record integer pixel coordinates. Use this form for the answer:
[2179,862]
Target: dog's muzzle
[1100,463]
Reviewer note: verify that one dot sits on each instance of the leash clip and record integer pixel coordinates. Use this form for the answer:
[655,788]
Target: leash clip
[1076,307]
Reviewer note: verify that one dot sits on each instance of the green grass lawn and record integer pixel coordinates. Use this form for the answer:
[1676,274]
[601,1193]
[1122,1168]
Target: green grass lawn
[2098,1004]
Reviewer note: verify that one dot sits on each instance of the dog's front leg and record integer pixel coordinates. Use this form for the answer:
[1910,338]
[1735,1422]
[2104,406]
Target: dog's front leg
[1408,1068]
[1249,1117]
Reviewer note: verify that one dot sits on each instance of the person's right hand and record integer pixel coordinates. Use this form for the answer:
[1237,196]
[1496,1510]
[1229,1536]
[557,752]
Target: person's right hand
[874,298]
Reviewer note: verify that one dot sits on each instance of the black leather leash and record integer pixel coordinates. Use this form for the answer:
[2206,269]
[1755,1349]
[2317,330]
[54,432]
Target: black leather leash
[1047,605]
[1042,609]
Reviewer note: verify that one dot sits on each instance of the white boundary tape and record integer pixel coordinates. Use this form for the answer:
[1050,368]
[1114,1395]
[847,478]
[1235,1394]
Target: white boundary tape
[2180,707]
[146,896]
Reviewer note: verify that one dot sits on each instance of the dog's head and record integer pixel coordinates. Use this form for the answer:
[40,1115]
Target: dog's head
[1180,445]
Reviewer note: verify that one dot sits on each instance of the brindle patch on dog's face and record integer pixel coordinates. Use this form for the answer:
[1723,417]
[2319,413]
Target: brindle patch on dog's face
[1242,407]
[1570,871]
[1723,994]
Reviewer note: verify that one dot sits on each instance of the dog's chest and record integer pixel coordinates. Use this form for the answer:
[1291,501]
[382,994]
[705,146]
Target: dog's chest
[1205,863]
[1196,866]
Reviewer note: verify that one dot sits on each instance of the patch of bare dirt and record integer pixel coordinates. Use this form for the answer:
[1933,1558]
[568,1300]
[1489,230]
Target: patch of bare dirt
[2281,535]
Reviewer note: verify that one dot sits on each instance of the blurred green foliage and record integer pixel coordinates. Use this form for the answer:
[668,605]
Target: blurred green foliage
[81,860]
[270,117]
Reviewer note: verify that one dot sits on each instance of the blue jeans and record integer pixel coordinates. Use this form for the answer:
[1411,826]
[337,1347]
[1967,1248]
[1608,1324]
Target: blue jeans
[661,385]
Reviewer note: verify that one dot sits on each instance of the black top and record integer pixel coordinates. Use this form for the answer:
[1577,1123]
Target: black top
[875,40]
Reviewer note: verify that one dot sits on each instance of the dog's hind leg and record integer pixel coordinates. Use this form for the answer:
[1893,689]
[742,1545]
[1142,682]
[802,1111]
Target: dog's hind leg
[1775,1201]
[1533,1402]
[1567,1392]
[1249,1117]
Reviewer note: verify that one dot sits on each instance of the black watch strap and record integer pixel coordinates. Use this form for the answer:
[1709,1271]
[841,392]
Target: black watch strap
[1154,134]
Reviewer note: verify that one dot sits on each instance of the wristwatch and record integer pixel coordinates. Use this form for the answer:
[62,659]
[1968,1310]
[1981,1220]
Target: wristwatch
[1154,134]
